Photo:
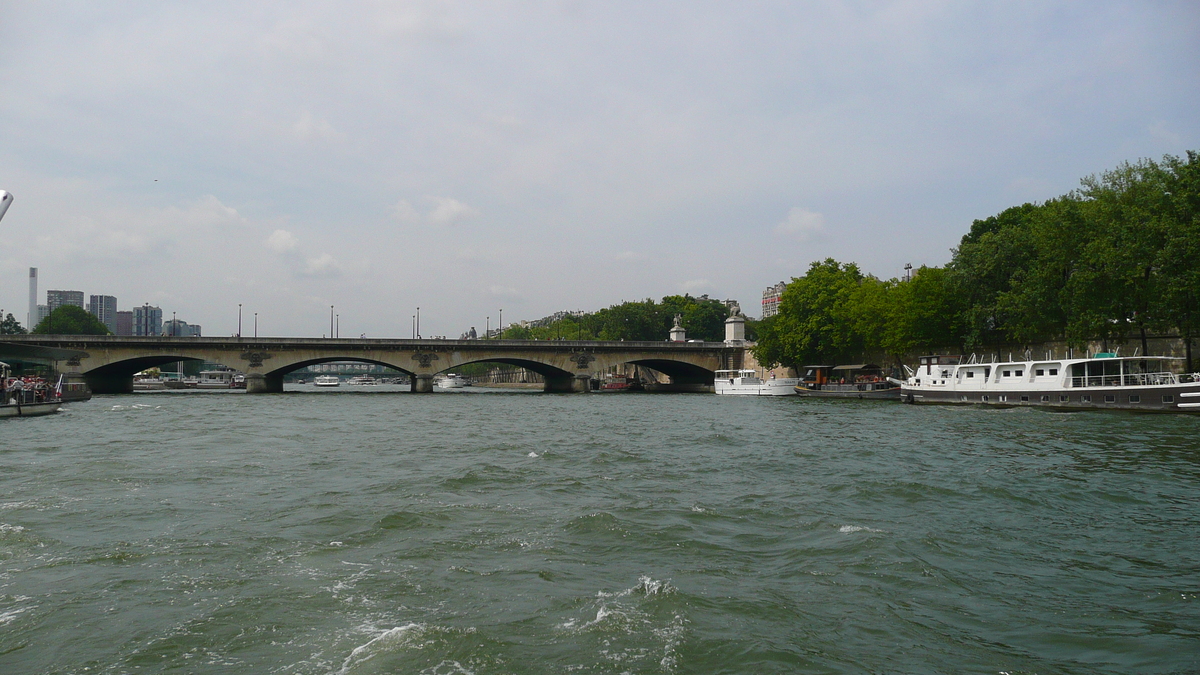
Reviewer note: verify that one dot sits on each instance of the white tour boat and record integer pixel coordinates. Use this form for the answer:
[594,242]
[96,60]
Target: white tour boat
[362,380]
[450,381]
[1102,380]
[748,383]
[216,379]
[326,381]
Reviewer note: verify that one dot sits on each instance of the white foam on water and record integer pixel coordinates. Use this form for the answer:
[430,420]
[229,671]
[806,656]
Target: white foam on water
[9,616]
[533,454]
[17,505]
[851,529]
[391,638]
[5,528]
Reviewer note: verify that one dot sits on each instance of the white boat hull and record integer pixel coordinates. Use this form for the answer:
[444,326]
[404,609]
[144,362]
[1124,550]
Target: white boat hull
[777,387]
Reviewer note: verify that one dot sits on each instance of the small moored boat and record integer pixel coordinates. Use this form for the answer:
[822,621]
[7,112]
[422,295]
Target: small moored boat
[326,381]
[745,382]
[861,380]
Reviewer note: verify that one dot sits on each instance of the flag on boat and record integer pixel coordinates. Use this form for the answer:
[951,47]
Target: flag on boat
[58,387]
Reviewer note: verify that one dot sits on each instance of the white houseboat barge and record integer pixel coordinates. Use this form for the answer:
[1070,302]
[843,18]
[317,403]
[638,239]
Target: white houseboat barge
[1100,381]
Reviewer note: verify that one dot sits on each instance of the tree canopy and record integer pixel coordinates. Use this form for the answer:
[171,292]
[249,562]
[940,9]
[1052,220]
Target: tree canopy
[10,326]
[1116,259]
[70,320]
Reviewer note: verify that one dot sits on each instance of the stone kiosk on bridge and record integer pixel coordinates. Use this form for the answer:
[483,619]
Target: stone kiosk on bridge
[108,362]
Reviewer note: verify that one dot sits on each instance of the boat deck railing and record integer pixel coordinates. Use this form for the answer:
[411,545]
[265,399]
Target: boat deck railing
[1131,380]
[850,386]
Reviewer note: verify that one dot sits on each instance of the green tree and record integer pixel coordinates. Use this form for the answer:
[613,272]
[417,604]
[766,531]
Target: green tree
[70,320]
[815,323]
[11,326]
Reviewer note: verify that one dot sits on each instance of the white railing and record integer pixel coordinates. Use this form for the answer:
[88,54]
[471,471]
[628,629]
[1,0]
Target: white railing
[1128,380]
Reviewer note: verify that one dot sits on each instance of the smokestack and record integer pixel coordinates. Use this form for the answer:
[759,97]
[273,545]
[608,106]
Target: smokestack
[32,298]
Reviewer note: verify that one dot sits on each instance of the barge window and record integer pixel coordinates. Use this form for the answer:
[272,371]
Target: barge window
[1040,372]
[1086,398]
[985,399]
[970,373]
[1003,398]
[1109,398]
[1168,398]
[1054,371]
[1045,398]
[1134,398]
[1025,399]
[1063,398]
[1007,373]
[1020,373]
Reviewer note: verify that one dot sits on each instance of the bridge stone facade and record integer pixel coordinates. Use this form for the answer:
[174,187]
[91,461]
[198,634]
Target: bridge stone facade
[108,363]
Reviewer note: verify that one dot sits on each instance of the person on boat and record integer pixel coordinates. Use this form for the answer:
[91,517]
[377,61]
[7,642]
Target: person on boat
[17,389]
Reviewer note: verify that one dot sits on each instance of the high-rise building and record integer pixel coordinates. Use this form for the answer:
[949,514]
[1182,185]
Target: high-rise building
[124,323]
[104,308]
[32,317]
[42,312]
[770,299]
[147,320]
[56,299]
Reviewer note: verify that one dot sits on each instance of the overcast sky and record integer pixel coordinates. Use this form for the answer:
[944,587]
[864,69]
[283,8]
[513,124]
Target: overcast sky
[539,156]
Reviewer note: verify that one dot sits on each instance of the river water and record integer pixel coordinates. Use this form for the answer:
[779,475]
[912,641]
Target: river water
[513,532]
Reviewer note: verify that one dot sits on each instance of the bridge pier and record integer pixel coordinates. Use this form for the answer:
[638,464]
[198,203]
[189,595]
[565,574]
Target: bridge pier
[258,383]
[567,384]
[421,384]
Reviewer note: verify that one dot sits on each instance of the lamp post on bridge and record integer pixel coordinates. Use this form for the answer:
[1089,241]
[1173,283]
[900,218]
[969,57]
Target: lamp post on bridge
[331,322]
[239,319]
[501,324]
[256,324]
[174,326]
[418,323]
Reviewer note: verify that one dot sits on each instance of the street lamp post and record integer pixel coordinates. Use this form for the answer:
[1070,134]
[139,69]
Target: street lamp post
[337,325]
[331,322]
[418,323]
[502,324]
[239,319]
[487,333]
[256,324]
[174,326]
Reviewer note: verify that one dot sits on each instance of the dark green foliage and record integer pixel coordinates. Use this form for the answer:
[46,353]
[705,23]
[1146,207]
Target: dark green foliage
[646,320]
[11,326]
[70,320]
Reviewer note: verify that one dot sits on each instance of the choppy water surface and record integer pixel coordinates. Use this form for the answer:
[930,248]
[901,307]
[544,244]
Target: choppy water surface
[341,532]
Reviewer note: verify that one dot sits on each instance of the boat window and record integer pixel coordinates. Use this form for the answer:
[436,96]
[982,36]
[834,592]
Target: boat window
[1054,371]
[1045,398]
[1020,373]
[1039,372]
[985,399]
[1008,373]
[1135,399]
[1063,398]
[970,373]
[1003,398]
[1086,398]
[1109,398]
[1025,399]
[1168,398]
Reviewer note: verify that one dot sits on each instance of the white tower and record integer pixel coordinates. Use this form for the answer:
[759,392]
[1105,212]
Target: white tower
[33,308]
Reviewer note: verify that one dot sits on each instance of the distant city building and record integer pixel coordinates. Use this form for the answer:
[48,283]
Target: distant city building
[771,297]
[43,311]
[124,323]
[147,321]
[56,299]
[104,308]
[32,317]
[180,328]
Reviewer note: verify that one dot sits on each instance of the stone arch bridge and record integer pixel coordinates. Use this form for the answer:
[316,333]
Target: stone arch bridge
[108,363]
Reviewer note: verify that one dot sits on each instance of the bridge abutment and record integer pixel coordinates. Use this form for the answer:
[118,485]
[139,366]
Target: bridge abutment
[422,384]
[259,383]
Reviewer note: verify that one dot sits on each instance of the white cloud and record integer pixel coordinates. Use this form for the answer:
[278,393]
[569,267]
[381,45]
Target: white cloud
[504,292]
[801,224]
[695,285]
[282,241]
[309,128]
[405,213]
[450,211]
[323,265]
